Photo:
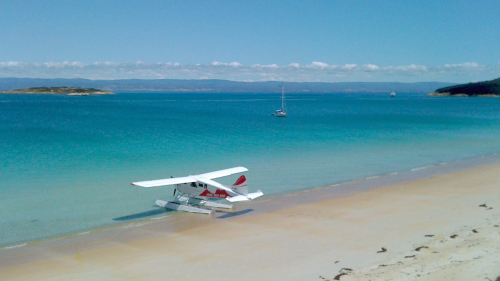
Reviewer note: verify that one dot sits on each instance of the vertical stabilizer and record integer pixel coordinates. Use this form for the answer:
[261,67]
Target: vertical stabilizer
[240,185]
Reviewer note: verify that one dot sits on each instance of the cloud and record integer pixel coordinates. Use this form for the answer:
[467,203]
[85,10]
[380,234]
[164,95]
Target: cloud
[11,64]
[350,66]
[318,64]
[463,65]
[264,66]
[235,64]
[370,67]
[316,71]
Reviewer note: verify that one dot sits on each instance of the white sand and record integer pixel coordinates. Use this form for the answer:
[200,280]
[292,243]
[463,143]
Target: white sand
[315,241]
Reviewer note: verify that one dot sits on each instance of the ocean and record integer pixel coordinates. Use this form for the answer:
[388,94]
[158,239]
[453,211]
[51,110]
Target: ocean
[66,163]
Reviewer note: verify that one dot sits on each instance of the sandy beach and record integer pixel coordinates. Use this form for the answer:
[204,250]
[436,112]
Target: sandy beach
[444,227]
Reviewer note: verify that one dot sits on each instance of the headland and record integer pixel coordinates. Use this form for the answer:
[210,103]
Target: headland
[480,89]
[70,91]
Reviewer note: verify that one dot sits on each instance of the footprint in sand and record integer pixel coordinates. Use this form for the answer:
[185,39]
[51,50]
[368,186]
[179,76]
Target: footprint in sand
[484,206]
[338,276]
[342,273]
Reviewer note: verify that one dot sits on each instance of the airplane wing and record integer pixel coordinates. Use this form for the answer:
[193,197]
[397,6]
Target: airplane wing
[216,184]
[223,173]
[205,178]
[164,182]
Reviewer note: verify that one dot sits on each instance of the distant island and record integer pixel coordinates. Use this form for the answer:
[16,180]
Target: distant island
[70,91]
[481,89]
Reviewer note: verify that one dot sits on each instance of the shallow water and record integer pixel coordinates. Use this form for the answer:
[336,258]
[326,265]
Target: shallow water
[66,163]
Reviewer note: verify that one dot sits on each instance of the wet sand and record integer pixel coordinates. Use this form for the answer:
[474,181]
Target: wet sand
[452,219]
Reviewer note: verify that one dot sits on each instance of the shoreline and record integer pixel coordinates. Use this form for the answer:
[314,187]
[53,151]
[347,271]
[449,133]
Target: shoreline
[308,235]
[304,196]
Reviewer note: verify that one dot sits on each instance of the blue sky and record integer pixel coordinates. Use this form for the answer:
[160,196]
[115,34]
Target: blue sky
[330,41]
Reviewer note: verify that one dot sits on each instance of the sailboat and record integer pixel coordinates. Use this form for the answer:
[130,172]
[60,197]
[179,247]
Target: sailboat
[281,112]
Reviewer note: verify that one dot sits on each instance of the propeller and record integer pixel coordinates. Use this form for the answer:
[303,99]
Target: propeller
[175,189]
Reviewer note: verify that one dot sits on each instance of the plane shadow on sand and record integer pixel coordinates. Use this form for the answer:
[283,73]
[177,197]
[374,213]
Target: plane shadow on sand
[159,211]
[230,215]
[142,215]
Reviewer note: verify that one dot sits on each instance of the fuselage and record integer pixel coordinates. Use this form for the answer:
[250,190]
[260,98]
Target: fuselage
[201,190]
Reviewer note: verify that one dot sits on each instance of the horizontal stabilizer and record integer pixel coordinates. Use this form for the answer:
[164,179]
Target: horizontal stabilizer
[237,198]
[247,197]
[255,194]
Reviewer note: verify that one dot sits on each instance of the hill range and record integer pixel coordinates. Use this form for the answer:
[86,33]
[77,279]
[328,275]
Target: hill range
[217,86]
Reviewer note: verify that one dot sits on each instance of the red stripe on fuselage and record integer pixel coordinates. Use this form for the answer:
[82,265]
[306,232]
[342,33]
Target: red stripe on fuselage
[220,193]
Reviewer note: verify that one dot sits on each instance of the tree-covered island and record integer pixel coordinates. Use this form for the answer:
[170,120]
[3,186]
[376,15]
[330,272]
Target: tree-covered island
[70,91]
[480,89]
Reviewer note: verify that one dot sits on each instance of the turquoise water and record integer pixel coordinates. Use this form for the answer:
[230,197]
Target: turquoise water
[66,163]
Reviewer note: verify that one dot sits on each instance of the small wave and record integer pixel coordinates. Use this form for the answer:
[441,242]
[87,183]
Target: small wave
[374,177]
[420,168]
[16,246]
[159,218]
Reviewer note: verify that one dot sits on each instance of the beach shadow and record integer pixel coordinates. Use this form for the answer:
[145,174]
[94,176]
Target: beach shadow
[142,215]
[230,215]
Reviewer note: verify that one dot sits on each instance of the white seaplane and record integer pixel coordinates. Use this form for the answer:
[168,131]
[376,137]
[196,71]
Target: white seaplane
[195,191]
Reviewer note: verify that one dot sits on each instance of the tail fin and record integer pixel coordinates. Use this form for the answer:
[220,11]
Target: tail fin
[241,185]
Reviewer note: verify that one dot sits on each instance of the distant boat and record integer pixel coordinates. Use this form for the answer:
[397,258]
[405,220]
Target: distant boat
[393,94]
[281,112]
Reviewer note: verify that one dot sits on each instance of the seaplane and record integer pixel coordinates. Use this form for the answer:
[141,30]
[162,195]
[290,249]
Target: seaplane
[194,192]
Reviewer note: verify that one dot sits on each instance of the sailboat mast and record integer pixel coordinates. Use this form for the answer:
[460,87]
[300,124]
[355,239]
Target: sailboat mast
[283,97]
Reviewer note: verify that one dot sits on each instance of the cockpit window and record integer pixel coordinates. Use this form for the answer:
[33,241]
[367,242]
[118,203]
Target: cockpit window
[193,184]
